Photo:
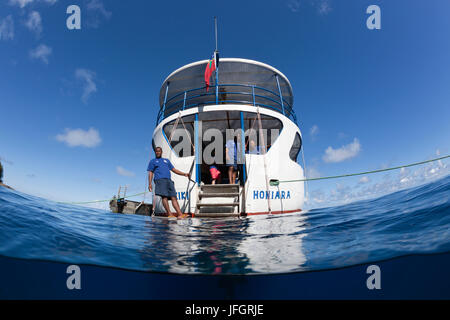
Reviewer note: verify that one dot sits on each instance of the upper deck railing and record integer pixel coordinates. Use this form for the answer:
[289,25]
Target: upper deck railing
[226,94]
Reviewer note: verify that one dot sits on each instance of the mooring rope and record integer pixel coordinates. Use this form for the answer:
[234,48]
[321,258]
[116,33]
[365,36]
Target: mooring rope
[275,182]
[104,200]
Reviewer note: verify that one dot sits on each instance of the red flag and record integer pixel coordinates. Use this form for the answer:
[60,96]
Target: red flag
[210,67]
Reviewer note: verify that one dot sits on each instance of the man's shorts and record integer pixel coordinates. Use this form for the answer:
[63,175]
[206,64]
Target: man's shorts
[165,188]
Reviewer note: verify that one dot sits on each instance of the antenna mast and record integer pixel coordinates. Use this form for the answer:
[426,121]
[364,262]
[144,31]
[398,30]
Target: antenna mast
[216,61]
[215,28]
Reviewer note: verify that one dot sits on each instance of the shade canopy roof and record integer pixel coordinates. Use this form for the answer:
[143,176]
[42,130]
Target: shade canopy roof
[232,71]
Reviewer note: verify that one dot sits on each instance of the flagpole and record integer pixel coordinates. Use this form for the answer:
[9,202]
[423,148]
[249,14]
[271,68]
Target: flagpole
[215,28]
[215,61]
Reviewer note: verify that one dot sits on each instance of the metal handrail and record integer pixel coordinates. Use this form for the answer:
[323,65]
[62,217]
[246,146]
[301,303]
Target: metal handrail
[228,92]
[260,88]
[281,106]
[227,101]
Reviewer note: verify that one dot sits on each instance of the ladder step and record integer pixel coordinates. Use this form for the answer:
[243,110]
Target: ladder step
[218,195]
[217,215]
[232,204]
[219,186]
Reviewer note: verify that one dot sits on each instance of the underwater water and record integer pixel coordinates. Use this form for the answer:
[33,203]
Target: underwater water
[408,222]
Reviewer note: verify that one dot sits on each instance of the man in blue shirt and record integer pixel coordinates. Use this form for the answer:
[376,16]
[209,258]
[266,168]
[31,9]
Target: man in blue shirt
[159,169]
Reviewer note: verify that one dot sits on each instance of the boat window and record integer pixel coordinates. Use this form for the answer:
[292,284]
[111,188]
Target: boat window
[296,146]
[226,120]
[221,120]
[260,133]
[182,137]
[262,139]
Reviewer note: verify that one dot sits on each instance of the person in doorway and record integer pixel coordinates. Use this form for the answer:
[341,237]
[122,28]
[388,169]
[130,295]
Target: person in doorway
[231,159]
[159,170]
[253,148]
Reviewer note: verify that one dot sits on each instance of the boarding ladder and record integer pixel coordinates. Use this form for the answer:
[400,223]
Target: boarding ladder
[219,200]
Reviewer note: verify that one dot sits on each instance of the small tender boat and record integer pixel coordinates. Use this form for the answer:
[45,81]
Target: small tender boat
[122,205]
[248,103]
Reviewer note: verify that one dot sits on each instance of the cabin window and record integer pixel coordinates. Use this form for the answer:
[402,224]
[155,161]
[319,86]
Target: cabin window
[296,146]
[263,134]
[260,133]
[182,137]
[231,120]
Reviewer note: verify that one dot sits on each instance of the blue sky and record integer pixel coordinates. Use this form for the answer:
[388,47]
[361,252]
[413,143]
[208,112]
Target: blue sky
[78,107]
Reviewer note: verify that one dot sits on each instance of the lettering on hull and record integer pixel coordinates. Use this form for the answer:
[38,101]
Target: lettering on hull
[264,194]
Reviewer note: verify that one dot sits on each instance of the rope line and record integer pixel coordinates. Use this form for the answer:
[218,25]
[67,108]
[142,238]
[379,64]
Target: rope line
[104,200]
[275,182]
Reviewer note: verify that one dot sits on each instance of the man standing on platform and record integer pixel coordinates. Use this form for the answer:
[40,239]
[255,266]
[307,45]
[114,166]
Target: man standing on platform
[159,169]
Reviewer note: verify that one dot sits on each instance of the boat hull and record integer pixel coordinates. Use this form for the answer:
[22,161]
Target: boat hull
[256,196]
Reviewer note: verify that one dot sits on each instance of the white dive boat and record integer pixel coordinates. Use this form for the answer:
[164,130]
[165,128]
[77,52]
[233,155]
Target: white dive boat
[248,99]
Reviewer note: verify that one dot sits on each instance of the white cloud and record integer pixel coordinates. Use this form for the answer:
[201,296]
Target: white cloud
[41,52]
[34,23]
[294,5]
[20,3]
[89,86]
[323,7]
[123,172]
[312,173]
[7,28]
[23,3]
[343,153]
[342,193]
[406,178]
[317,197]
[402,179]
[80,138]
[364,179]
[97,5]
[96,12]
[314,130]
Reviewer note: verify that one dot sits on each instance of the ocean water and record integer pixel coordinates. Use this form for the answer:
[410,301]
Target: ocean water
[409,222]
